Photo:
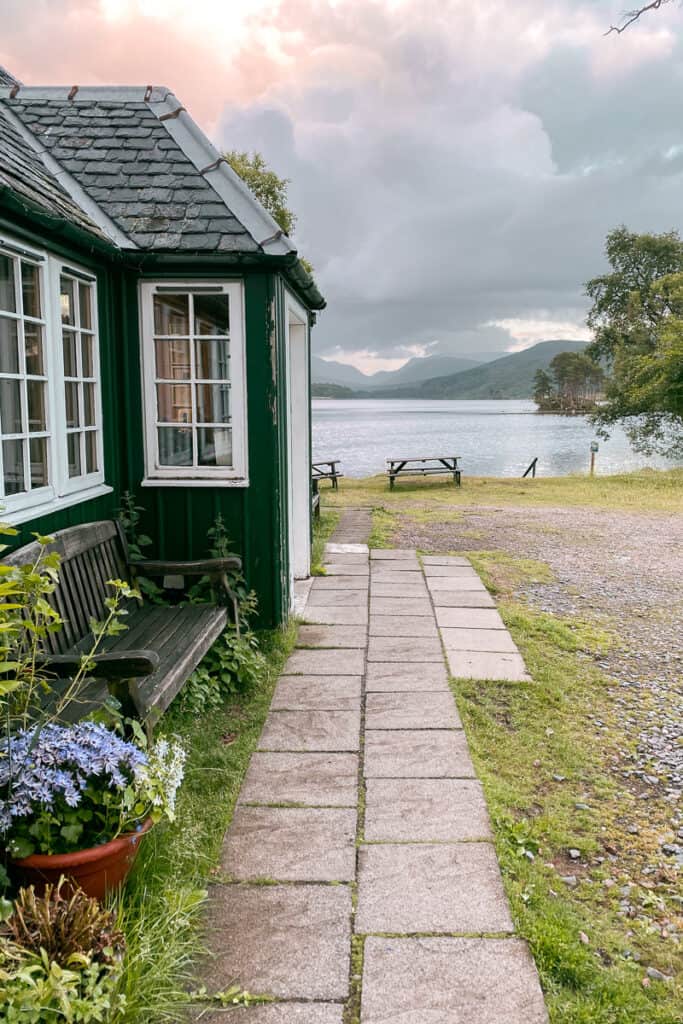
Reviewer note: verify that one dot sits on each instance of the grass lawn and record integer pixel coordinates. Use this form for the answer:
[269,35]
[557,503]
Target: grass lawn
[644,491]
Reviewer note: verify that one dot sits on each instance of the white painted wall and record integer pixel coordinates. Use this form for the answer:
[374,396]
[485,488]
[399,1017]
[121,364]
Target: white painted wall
[299,425]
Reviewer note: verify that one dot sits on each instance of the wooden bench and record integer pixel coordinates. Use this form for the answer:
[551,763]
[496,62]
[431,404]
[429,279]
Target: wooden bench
[427,466]
[145,666]
[315,498]
[327,470]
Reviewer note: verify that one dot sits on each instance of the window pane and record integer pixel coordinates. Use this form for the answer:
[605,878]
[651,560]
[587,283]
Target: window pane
[213,403]
[211,314]
[10,406]
[71,395]
[35,390]
[91,452]
[175,446]
[33,337]
[74,452]
[215,446]
[9,346]
[87,365]
[13,466]
[8,300]
[171,314]
[212,359]
[174,402]
[89,405]
[173,360]
[67,289]
[30,287]
[84,300]
[38,452]
[70,362]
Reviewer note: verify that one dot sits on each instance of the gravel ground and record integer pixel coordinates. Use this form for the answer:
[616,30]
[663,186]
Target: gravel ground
[623,571]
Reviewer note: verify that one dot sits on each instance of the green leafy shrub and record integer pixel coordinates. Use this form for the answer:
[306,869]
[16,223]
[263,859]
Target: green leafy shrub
[60,956]
[233,666]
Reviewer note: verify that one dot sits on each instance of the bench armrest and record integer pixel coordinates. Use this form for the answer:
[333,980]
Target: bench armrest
[205,567]
[115,665]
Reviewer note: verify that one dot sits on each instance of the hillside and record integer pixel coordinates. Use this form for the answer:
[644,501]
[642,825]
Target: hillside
[508,377]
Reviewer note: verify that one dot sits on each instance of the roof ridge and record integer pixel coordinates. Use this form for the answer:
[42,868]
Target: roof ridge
[66,180]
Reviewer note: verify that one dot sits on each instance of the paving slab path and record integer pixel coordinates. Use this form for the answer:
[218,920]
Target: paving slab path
[361,826]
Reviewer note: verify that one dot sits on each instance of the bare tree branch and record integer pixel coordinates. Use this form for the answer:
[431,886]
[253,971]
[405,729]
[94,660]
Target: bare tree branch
[631,16]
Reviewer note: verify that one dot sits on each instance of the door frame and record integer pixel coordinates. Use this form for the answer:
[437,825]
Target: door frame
[298,447]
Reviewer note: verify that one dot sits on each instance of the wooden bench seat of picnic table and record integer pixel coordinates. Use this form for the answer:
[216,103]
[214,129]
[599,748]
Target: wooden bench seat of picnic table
[318,471]
[428,465]
[146,665]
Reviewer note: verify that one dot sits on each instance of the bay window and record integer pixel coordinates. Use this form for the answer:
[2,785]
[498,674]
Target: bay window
[50,409]
[194,383]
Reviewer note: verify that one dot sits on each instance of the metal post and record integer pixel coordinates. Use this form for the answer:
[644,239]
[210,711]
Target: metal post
[594,448]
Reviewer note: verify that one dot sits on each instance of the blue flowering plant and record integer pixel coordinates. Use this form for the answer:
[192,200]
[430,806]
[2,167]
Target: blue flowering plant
[68,788]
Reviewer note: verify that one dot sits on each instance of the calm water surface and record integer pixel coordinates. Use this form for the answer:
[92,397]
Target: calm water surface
[494,438]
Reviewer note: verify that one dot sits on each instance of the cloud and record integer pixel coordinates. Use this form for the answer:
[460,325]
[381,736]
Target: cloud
[454,166]
[526,333]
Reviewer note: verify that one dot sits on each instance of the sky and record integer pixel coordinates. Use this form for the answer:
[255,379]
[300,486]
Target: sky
[455,165]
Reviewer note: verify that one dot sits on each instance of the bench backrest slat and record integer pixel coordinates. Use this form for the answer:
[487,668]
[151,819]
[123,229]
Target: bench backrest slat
[90,555]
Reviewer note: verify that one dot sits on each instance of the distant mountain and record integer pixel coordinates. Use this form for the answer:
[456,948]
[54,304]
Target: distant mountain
[327,371]
[324,371]
[319,390]
[510,376]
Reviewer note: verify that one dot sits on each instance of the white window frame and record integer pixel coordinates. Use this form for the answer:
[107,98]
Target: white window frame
[61,491]
[157,475]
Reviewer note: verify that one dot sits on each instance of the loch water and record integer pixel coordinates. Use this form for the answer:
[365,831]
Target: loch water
[493,438]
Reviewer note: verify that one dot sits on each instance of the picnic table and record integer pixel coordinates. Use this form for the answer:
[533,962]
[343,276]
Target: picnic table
[425,466]
[326,469]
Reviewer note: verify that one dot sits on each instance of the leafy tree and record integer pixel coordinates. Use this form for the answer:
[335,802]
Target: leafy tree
[269,189]
[637,317]
[543,387]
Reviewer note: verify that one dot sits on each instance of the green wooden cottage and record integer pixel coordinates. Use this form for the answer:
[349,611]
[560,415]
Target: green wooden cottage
[154,334]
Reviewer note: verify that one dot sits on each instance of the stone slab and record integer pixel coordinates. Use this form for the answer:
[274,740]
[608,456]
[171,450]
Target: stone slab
[392,554]
[404,649]
[407,625]
[332,636]
[346,549]
[400,579]
[458,571]
[445,560]
[273,1013]
[404,589]
[470,618]
[400,606]
[315,779]
[325,663]
[417,753]
[416,810]
[482,665]
[462,599]
[495,640]
[450,981]
[452,887]
[335,598]
[346,569]
[437,583]
[411,711]
[311,731]
[291,844]
[391,677]
[346,582]
[317,693]
[333,615]
[291,942]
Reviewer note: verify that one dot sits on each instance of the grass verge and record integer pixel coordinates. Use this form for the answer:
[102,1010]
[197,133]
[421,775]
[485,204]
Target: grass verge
[643,491]
[161,912]
[603,930]
[324,526]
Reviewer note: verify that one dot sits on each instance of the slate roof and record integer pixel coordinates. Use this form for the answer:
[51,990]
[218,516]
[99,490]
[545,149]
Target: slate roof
[24,173]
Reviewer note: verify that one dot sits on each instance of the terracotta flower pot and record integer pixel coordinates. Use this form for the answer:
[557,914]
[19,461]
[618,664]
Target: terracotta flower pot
[96,870]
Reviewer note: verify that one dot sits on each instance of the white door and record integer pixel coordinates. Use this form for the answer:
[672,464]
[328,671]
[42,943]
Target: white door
[299,443]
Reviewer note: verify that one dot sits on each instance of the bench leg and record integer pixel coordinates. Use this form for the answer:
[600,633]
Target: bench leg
[457,478]
[391,482]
